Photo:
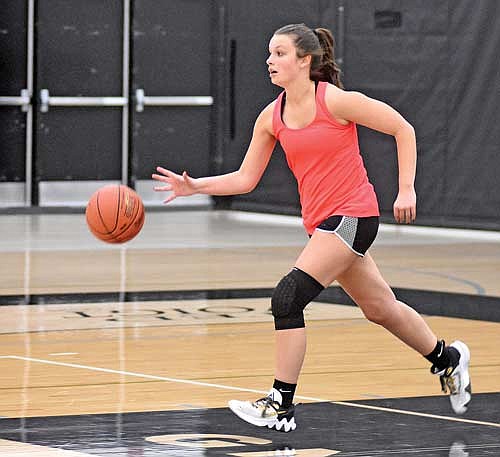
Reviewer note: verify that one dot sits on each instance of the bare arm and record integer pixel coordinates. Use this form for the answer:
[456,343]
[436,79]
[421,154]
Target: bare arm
[241,181]
[376,115]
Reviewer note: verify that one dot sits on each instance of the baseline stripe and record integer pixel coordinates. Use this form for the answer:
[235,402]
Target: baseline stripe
[242,389]
[414,413]
[131,373]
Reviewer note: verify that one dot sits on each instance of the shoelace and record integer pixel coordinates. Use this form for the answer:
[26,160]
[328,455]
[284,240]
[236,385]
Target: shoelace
[448,383]
[447,380]
[267,402]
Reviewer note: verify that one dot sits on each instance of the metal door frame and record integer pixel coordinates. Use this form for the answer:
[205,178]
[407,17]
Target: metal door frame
[13,193]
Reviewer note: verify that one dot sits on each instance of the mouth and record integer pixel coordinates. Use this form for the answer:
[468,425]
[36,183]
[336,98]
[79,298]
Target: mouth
[272,73]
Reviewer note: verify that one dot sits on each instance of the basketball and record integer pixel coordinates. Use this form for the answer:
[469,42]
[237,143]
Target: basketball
[115,214]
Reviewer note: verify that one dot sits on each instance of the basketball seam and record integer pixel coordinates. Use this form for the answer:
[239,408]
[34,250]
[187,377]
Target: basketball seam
[118,208]
[109,232]
[138,206]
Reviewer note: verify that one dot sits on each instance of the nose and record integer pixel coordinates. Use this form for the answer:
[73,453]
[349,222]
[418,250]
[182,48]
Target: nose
[268,60]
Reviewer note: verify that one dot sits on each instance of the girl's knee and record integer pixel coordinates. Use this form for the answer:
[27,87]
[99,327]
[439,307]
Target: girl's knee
[380,310]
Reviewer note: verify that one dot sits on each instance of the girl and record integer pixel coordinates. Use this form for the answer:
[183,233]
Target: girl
[315,120]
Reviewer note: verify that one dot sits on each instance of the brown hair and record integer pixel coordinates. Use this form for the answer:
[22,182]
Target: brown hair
[319,44]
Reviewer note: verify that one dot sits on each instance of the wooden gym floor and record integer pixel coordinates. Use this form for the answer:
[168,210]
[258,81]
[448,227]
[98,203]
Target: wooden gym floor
[135,350]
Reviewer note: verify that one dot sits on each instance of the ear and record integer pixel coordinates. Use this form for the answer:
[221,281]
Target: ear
[306,61]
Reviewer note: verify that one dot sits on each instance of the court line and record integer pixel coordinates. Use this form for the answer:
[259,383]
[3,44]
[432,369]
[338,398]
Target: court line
[242,389]
[64,353]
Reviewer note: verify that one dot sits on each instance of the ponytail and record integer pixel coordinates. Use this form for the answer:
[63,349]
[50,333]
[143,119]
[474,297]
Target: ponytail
[326,69]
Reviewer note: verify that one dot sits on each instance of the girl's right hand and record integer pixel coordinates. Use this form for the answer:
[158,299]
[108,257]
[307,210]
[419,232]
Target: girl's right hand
[178,185]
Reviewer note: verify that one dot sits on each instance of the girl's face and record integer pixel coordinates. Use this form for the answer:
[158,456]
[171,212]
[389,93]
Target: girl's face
[283,64]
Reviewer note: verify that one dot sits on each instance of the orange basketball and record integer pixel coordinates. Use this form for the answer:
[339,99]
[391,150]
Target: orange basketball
[115,213]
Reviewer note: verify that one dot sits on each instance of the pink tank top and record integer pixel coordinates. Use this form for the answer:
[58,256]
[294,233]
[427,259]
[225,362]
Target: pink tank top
[325,159]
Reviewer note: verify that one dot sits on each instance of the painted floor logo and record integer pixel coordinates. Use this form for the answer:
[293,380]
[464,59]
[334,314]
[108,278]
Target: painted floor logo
[84,316]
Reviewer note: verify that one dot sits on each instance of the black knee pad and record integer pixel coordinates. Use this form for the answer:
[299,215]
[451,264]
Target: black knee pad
[291,296]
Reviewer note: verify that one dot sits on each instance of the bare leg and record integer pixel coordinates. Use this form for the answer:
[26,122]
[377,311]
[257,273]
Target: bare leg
[290,352]
[324,258]
[364,283]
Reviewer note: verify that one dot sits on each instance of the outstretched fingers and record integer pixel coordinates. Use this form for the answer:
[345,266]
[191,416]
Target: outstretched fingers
[167,178]
[170,198]
[178,185]
[165,172]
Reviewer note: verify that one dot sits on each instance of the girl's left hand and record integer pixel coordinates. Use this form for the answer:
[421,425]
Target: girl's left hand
[405,206]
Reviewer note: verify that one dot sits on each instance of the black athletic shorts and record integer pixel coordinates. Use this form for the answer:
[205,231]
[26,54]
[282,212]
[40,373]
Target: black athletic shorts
[357,232]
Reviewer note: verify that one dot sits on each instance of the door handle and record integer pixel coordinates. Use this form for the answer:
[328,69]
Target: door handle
[47,100]
[23,101]
[141,100]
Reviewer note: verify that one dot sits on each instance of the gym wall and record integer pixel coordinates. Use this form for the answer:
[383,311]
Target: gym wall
[96,92]
[435,63]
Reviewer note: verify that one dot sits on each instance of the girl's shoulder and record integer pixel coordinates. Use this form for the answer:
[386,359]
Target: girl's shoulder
[268,112]
[334,99]
[265,118]
[332,92]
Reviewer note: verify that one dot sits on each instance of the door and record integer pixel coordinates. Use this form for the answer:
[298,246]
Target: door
[172,83]
[82,120]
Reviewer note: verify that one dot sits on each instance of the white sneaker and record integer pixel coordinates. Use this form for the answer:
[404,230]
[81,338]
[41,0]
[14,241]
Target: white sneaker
[266,412]
[456,379]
